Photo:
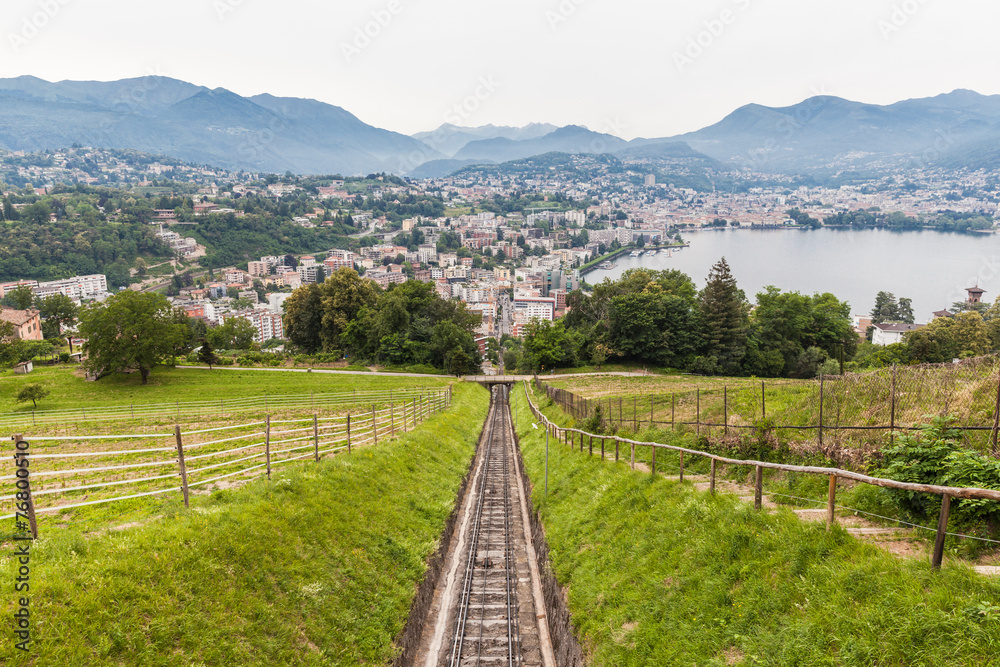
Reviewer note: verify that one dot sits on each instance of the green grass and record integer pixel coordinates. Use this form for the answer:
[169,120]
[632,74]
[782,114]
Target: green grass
[318,567]
[166,385]
[660,574]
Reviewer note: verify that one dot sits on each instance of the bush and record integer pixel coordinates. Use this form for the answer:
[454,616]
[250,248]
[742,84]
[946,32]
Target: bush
[934,456]
[64,357]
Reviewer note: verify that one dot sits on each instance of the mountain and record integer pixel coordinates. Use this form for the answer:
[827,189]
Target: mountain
[443,168]
[193,123]
[831,133]
[449,139]
[571,139]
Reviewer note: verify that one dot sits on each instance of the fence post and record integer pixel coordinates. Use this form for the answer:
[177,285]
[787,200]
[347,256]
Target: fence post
[392,419]
[892,413]
[994,450]
[621,419]
[820,409]
[180,464]
[831,498]
[635,414]
[22,453]
[549,428]
[763,402]
[316,435]
[725,410]
[711,479]
[267,445]
[348,432]
[616,449]
[681,458]
[590,451]
[602,449]
[672,423]
[941,530]
[633,455]
[653,459]
[758,488]
[374,426]
[697,412]
[651,397]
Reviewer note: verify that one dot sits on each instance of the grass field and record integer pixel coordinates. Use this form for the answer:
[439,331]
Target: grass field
[317,567]
[660,574]
[69,390]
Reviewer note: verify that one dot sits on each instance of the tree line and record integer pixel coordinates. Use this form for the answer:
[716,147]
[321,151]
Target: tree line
[660,318]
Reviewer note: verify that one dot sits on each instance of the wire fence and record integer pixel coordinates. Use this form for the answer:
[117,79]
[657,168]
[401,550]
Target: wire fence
[56,473]
[577,437]
[221,407]
[855,411]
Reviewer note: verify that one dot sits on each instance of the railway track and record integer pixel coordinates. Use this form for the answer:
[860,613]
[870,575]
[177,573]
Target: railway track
[489,609]
[487,629]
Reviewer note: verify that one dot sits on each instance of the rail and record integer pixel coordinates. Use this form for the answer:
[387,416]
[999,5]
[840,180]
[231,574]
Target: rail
[69,472]
[946,492]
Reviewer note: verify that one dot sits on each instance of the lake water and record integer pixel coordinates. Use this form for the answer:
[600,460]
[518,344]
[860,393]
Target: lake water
[932,268]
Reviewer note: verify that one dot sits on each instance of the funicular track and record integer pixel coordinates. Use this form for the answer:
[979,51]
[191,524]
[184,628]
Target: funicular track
[487,629]
[488,607]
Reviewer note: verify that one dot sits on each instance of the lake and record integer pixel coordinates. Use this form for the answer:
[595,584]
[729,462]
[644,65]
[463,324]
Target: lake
[932,268]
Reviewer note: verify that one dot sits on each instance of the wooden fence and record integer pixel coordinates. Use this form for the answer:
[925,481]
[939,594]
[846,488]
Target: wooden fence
[573,436]
[69,471]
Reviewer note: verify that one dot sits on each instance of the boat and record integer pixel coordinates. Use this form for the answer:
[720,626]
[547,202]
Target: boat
[634,253]
[606,265]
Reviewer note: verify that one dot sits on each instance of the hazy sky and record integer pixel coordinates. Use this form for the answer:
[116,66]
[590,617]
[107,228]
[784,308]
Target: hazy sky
[628,67]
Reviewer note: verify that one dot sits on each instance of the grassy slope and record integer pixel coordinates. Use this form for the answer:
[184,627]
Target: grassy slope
[185,384]
[316,567]
[660,574]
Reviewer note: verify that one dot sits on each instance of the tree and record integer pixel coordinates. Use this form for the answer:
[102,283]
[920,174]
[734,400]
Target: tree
[21,297]
[236,333]
[886,308]
[207,355]
[303,318]
[723,318]
[905,310]
[129,331]
[33,393]
[343,296]
[58,311]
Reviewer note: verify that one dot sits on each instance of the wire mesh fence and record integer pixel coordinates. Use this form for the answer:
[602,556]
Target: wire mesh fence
[223,407]
[70,471]
[858,411]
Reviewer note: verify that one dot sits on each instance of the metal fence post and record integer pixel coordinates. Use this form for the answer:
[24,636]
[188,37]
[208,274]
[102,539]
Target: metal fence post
[348,432]
[711,479]
[697,412]
[374,426]
[725,410]
[821,383]
[758,488]
[180,464]
[892,413]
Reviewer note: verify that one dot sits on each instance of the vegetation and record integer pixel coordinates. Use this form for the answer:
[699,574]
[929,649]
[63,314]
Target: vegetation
[131,331]
[33,393]
[317,567]
[407,324]
[658,573]
[658,318]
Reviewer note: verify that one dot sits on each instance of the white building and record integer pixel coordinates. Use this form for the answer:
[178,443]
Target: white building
[887,334]
[77,287]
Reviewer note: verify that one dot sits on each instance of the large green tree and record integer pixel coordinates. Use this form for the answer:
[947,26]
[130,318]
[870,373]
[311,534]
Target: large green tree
[57,311]
[131,331]
[343,295]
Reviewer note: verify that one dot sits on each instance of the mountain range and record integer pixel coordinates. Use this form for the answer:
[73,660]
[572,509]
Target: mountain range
[165,116]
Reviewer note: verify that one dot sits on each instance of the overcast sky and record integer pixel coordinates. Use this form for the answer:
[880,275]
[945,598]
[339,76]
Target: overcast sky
[628,67]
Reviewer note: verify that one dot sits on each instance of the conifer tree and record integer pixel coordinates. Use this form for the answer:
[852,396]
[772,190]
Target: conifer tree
[724,321]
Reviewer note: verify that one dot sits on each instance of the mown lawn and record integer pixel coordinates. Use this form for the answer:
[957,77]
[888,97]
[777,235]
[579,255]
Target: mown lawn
[69,390]
[317,567]
[660,574]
